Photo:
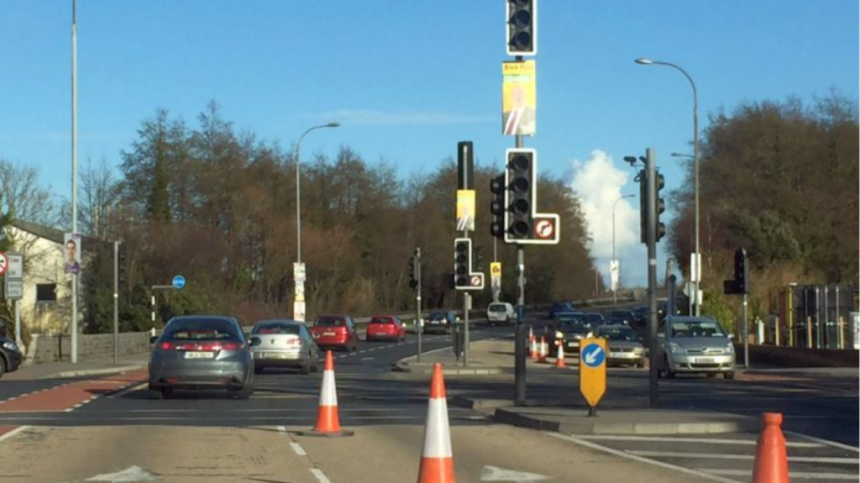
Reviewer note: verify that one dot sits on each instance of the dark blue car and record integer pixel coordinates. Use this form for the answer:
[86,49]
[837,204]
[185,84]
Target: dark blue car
[558,307]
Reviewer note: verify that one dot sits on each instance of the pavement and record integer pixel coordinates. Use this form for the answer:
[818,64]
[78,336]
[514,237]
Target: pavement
[86,366]
[565,411]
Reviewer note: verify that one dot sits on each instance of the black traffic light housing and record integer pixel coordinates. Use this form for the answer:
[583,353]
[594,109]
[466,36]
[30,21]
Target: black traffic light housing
[498,207]
[659,226]
[462,261]
[643,205]
[121,266]
[742,284]
[521,27]
[520,183]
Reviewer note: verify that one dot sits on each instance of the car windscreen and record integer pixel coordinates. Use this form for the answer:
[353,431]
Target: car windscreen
[619,335]
[201,329]
[382,320]
[620,314]
[275,328]
[574,323]
[329,322]
[697,329]
[439,316]
[498,308]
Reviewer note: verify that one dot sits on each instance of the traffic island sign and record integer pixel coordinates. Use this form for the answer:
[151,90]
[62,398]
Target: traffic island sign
[592,372]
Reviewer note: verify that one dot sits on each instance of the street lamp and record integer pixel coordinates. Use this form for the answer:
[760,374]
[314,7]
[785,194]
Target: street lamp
[299,200]
[614,283]
[644,61]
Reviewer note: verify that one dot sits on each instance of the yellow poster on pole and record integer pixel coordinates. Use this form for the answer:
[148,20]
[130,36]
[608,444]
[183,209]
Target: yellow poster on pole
[519,98]
[592,370]
[465,210]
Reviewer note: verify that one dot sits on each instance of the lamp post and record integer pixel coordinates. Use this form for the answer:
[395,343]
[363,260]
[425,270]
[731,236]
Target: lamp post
[614,261]
[644,61]
[299,200]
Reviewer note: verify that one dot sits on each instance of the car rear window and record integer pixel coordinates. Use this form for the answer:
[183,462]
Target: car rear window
[201,330]
[381,320]
[438,316]
[329,322]
[498,308]
[291,329]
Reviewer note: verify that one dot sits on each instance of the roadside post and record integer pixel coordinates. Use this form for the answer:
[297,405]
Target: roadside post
[12,265]
[178,283]
[592,372]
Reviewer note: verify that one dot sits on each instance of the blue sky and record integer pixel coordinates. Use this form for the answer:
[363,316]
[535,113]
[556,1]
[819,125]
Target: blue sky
[409,79]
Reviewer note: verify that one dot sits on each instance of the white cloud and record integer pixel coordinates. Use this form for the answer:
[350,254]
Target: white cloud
[599,183]
[371,117]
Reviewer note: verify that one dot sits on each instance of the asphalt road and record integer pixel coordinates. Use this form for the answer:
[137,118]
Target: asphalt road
[99,428]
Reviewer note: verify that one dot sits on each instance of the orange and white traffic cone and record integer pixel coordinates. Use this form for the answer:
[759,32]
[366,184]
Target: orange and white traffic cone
[559,358]
[328,422]
[533,350]
[437,459]
[543,351]
[771,459]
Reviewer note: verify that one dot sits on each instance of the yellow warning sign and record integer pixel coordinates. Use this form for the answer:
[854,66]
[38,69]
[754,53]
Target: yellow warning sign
[496,269]
[592,369]
[465,210]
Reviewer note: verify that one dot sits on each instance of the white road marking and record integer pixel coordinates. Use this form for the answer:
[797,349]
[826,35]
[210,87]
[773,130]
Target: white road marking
[130,474]
[824,441]
[623,454]
[691,440]
[794,475]
[721,456]
[298,449]
[321,477]
[128,390]
[493,473]
[367,358]
[13,433]
[282,430]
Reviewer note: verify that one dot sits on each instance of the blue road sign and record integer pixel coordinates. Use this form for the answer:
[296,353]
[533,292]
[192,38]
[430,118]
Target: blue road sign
[178,281]
[593,355]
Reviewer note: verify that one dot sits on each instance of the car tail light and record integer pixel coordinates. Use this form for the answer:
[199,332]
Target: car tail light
[293,342]
[166,346]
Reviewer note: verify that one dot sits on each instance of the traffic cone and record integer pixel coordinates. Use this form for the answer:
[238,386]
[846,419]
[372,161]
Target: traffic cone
[771,460]
[533,350]
[559,358]
[437,459]
[328,422]
[543,349]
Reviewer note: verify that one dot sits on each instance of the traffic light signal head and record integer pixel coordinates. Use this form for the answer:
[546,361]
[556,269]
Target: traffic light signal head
[741,271]
[660,227]
[121,275]
[498,207]
[520,182]
[462,261]
[643,205]
[414,272]
[521,27]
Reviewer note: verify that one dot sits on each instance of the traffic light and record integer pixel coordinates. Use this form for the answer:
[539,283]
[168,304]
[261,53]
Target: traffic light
[741,271]
[520,182]
[479,260]
[643,205]
[121,267]
[659,227]
[522,27]
[462,261]
[413,280]
[498,207]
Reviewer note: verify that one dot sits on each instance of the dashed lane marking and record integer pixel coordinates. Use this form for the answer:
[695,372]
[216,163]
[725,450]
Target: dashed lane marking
[320,475]
[298,448]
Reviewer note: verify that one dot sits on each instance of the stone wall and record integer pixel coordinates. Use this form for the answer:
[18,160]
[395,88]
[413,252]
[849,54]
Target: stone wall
[52,348]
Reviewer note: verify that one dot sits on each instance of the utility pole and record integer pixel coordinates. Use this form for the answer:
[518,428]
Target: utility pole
[115,302]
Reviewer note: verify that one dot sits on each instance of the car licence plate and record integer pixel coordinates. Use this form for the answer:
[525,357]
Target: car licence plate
[328,333]
[270,355]
[705,360]
[199,355]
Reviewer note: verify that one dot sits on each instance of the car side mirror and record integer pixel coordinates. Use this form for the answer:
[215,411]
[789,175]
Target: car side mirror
[255,341]
[153,339]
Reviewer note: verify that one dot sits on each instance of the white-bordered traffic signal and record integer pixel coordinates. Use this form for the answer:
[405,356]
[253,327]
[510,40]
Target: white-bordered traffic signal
[521,27]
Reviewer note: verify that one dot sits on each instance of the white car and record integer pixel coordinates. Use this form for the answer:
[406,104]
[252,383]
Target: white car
[501,313]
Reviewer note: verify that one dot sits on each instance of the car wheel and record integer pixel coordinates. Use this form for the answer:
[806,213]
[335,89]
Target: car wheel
[728,375]
[166,393]
[315,367]
[306,365]
[2,366]
[244,393]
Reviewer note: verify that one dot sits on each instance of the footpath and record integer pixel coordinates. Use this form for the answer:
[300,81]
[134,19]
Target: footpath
[93,366]
[553,400]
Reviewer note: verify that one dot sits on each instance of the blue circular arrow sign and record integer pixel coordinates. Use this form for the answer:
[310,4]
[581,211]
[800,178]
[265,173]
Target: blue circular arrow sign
[178,281]
[593,355]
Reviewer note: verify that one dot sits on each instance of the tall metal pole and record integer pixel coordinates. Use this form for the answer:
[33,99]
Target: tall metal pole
[419,325]
[299,192]
[651,173]
[746,336]
[695,284]
[74,335]
[520,334]
[115,302]
[467,183]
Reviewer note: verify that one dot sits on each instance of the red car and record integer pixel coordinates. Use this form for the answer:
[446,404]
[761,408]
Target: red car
[335,331]
[385,327]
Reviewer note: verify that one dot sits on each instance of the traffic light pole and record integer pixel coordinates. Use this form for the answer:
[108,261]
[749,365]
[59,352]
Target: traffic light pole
[419,324]
[651,181]
[520,334]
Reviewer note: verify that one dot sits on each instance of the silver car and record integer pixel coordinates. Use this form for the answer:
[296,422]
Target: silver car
[624,345]
[201,352]
[284,343]
[696,345]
